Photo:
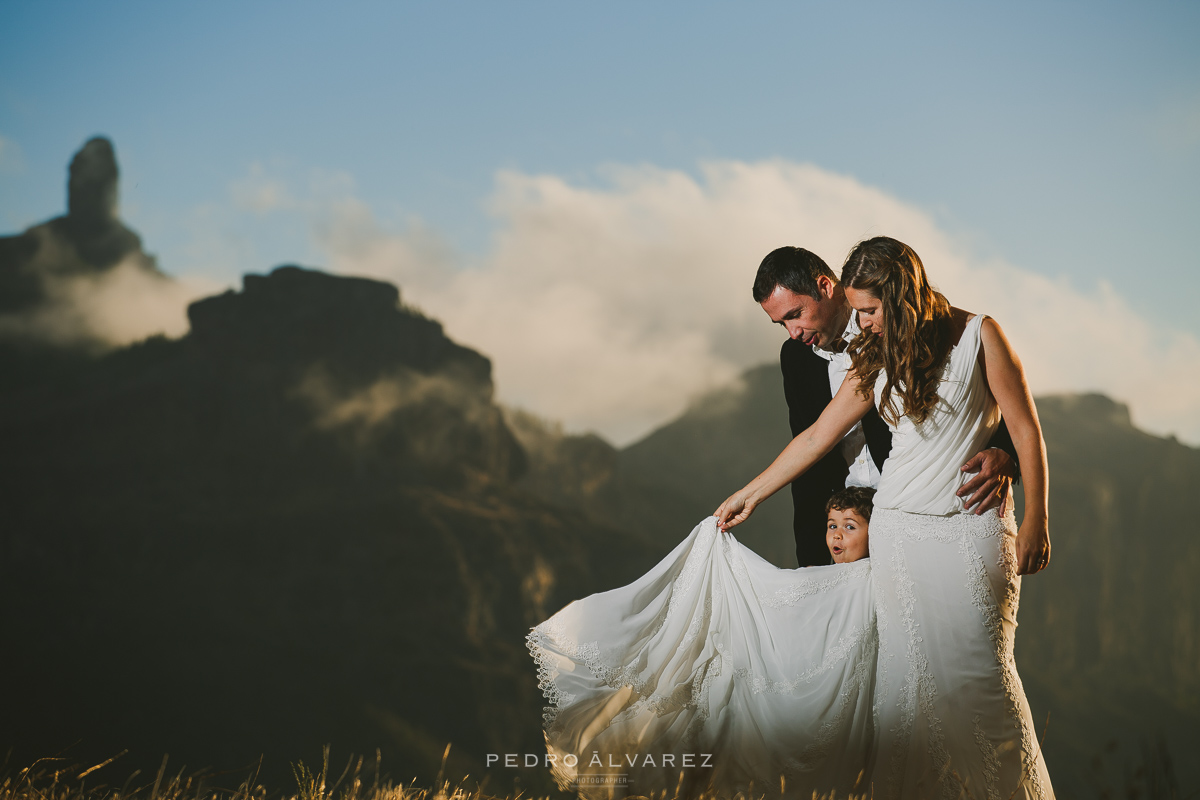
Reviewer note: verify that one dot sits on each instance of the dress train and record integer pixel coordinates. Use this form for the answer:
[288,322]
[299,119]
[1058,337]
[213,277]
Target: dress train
[716,671]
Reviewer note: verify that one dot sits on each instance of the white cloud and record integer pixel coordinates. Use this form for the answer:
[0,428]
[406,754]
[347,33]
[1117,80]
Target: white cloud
[119,306]
[363,409]
[99,309]
[355,240]
[609,308]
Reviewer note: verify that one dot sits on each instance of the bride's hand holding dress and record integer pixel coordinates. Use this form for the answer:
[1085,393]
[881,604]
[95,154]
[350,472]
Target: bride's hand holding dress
[848,406]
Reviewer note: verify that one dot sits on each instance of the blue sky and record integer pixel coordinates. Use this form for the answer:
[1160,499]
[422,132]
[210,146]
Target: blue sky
[1060,137]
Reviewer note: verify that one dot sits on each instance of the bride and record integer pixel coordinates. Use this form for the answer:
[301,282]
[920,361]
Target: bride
[891,677]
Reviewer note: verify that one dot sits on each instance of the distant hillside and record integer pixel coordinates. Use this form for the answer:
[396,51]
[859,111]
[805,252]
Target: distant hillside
[1109,640]
[664,484]
[724,440]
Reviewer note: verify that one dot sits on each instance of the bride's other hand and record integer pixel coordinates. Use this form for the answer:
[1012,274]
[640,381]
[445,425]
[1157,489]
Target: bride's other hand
[1033,547]
[735,510]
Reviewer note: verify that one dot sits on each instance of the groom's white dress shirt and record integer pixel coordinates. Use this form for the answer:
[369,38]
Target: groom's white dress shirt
[863,471]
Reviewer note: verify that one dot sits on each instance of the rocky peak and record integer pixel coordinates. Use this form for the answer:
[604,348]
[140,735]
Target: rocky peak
[355,326]
[86,242]
[92,186]
[380,378]
[92,225]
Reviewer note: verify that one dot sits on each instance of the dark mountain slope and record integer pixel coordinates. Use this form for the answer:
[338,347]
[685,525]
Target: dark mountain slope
[293,526]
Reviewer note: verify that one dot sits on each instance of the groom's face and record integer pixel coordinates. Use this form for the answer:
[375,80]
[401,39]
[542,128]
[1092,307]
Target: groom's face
[812,320]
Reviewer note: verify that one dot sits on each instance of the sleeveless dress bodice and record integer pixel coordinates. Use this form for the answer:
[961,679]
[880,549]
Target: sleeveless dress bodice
[924,469]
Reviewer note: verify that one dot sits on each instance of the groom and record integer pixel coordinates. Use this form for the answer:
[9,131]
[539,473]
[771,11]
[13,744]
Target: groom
[799,291]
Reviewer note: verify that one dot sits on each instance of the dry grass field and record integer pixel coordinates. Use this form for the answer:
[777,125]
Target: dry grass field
[57,778]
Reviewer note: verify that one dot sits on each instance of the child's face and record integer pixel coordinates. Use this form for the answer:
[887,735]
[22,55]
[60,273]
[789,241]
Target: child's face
[846,535]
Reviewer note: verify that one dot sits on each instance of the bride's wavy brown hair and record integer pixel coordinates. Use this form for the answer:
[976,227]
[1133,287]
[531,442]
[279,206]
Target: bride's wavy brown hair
[916,336]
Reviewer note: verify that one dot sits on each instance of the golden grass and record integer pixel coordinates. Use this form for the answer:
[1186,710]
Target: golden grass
[56,779]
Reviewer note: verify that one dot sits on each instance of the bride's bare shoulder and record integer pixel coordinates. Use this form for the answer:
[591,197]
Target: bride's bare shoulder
[994,345]
[993,335]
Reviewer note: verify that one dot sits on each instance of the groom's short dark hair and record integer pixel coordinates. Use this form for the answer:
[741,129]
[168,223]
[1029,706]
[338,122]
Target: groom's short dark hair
[793,268]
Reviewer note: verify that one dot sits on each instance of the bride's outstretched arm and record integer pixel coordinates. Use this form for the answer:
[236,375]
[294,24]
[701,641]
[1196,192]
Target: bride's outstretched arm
[1006,379]
[846,408]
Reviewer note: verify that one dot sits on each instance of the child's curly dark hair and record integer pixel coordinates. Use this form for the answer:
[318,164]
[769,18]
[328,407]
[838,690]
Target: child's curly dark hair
[852,498]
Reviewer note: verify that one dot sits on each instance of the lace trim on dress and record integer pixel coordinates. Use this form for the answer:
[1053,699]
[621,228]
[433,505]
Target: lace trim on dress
[991,764]
[918,688]
[794,594]
[692,567]
[552,635]
[1002,641]
[819,750]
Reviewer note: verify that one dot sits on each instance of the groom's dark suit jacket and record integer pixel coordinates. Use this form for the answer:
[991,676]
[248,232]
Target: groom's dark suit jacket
[806,387]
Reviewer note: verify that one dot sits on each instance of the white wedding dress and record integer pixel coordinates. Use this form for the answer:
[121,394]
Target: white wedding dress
[891,677]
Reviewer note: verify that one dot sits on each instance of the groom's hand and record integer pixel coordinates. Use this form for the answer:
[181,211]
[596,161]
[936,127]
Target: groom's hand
[992,485]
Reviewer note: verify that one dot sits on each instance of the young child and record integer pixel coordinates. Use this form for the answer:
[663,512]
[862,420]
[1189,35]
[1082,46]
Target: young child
[849,512]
